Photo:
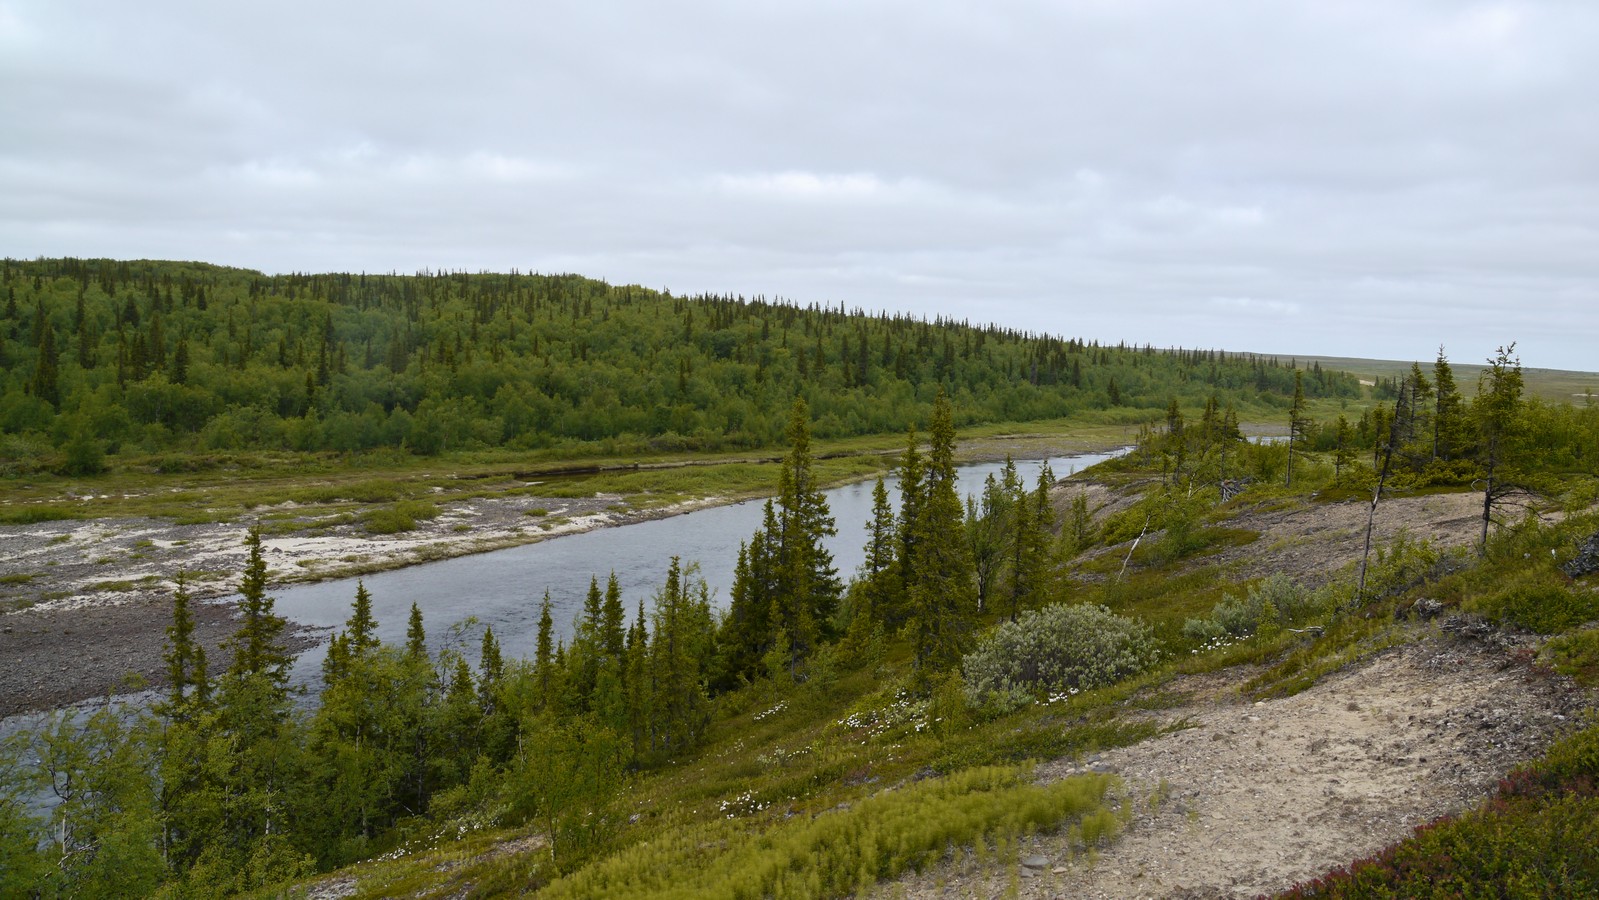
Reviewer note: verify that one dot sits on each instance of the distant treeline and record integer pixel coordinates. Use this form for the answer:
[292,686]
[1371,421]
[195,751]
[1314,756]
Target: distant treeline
[150,357]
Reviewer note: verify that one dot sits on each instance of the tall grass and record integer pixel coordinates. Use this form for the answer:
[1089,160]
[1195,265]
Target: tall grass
[845,851]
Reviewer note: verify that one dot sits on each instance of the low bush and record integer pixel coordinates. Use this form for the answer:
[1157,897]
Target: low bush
[1539,601]
[1277,601]
[1576,655]
[1402,565]
[1057,649]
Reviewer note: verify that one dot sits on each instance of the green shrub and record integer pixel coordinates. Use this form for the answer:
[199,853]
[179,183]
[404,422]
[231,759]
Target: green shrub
[420,510]
[1287,602]
[1402,565]
[402,516]
[1576,655]
[1057,649]
[388,520]
[1539,602]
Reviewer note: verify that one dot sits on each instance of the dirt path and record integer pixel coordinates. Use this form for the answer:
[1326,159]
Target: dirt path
[1254,797]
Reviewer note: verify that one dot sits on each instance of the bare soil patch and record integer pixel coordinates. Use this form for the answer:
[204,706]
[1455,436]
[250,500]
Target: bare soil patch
[1309,541]
[1251,797]
[1312,541]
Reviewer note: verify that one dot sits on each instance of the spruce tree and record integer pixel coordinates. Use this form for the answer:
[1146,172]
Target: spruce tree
[258,644]
[1448,431]
[1498,412]
[361,627]
[785,578]
[880,589]
[1298,425]
[415,636]
[939,584]
[544,653]
[46,373]
[184,656]
[612,637]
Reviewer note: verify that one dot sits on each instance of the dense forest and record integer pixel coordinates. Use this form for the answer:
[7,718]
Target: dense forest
[105,357]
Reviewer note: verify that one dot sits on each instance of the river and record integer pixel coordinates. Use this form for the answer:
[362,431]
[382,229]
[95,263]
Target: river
[502,589]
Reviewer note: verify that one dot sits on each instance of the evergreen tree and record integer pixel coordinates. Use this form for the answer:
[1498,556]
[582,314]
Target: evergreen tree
[544,654]
[185,657]
[361,628]
[258,644]
[415,636]
[492,668]
[45,383]
[612,637]
[784,579]
[680,647]
[912,498]
[1343,449]
[989,521]
[1298,424]
[1448,427]
[1498,412]
[880,589]
[939,584]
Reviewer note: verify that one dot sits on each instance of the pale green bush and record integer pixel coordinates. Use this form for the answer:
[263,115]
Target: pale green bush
[1241,617]
[1056,650]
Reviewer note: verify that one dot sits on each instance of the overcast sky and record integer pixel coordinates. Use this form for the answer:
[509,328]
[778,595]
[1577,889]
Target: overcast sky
[1344,178]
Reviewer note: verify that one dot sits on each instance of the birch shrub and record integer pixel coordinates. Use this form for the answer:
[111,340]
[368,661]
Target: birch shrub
[1056,650]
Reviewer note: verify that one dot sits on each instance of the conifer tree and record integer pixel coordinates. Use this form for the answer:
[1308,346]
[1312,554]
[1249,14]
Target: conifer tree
[544,653]
[415,636]
[880,590]
[1298,424]
[492,668]
[680,649]
[1448,411]
[939,582]
[45,384]
[911,501]
[1343,449]
[361,627]
[784,579]
[258,644]
[612,637]
[185,657]
[1498,411]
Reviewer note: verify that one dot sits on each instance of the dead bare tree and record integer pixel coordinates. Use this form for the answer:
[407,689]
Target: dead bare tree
[1387,451]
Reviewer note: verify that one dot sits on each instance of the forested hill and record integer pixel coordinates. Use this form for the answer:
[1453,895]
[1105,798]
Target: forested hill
[103,356]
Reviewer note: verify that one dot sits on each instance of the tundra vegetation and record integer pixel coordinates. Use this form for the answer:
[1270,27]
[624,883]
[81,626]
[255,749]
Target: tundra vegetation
[828,730]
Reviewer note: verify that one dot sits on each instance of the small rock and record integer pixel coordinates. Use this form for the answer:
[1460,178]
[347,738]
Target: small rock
[1036,861]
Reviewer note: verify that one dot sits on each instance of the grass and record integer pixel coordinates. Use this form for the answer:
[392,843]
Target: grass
[33,515]
[846,850]
[222,487]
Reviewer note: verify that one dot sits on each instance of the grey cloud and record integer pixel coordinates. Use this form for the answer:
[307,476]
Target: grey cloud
[1362,178]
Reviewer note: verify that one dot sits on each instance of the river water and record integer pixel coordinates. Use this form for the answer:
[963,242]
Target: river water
[502,589]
